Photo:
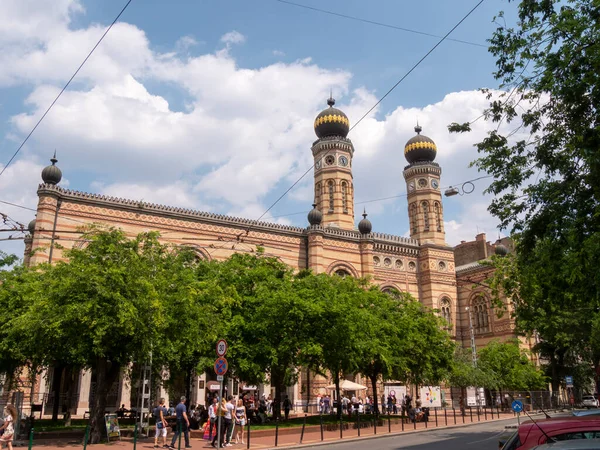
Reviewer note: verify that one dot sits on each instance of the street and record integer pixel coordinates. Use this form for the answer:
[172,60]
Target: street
[478,436]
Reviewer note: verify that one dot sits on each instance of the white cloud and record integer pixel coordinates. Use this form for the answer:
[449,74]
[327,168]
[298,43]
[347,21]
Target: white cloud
[233,37]
[278,53]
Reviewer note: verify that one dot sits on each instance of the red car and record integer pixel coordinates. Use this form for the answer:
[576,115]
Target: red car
[551,430]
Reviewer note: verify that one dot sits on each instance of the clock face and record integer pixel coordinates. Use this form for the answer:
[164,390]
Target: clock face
[422,182]
[411,186]
[343,161]
[318,164]
[435,184]
[329,160]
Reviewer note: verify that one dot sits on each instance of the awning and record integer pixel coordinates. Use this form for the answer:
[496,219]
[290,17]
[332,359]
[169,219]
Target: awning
[347,385]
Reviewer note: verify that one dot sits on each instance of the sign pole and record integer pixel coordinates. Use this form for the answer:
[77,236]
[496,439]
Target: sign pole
[221,367]
[219,417]
[519,419]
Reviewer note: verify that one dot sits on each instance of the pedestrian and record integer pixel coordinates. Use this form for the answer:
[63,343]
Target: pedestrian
[394,404]
[286,407]
[326,404]
[212,417]
[229,415]
[221,410]
[159,414]
[8,427]
[319,404]
[240,420]
[182,424]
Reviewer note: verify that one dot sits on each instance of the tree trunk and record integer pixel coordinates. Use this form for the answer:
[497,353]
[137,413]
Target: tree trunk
[375,399]
[277,381]
[56,382]
[106,374]
[337,395]
[188,387]
[71,375]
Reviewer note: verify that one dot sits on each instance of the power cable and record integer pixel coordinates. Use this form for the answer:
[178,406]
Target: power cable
[64,88]
[381,24]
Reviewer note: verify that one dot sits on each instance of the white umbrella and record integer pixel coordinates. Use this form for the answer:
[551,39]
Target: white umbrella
[347,385]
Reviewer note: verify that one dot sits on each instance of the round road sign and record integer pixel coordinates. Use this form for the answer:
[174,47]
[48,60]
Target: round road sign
[517,406]
[221,366]
[222,347]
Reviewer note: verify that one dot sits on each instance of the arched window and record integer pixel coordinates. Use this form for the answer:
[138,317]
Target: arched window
[445,310]
[330,187]
[345,197]
[391,291]
[425,207]
[413,218]
[318,195]
[438,215]
[342,273]
[480,315]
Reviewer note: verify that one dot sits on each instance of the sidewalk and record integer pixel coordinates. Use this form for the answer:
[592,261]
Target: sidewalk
[291,437]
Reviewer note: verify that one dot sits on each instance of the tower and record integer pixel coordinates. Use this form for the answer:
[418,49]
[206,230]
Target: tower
[332,153]
[422,177]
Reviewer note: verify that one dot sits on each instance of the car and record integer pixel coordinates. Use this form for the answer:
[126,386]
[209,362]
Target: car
[587,412]
[533,433]
[589,401]
[574,444]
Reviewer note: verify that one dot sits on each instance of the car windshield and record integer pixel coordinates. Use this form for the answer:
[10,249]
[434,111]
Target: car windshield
[513,442]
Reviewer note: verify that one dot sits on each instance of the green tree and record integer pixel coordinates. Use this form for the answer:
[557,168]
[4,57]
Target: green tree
[546,173]
[463,373]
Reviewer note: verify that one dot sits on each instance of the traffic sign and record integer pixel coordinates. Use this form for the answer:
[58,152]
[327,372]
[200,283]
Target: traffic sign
[569,381]
[222,347]
[517,406]
[221,366]
[219,377]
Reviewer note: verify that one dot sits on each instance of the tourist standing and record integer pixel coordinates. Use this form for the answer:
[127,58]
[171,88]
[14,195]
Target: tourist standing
[212,417]
[240,421]
[229,415]
[159,414]
[182,424]
[286,407]
[221,409]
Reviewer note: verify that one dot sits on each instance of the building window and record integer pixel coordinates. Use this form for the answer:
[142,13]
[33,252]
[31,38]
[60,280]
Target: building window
[413,218]
[345,197]
[438,215]
[330,191]
[392,292]
[318,196]
[480,315]
[445,310]
[342,273]
[425,207]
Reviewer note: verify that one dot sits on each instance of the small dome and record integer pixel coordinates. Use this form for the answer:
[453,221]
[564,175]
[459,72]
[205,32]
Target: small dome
[365,226]
[501,250]
[52,174]
[332,122]
[31,227]
[420,148]
[315,216]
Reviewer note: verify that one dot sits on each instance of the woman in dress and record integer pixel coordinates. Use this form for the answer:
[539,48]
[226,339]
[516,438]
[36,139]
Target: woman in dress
[240,422]
[10,416]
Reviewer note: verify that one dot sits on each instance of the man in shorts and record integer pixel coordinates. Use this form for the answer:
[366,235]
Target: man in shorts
[159,414]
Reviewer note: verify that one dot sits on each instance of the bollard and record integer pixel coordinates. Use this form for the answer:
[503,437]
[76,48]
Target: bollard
[321,420]
[484,413]
[389,423]
[248,435]
[471,413]
[341,426]
[375,423]
[276,431]
[303,426]
[30,439]
[446,416]
[424,420]
[358,421]
[87,436]
[135,435]
[478,414]
[436,422]
[415,423]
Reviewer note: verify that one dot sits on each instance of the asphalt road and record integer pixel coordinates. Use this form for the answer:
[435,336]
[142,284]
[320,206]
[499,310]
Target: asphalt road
[472,437]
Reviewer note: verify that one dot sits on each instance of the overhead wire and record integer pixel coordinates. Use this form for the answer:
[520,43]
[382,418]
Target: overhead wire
[64,88]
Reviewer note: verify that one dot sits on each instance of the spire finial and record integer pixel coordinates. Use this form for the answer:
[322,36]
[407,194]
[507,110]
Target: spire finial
[364,212]
[418,128]
[331,100]
[53,160]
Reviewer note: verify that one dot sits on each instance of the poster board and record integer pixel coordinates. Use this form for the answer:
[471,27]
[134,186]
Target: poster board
[431,397]
[471,396]
[394,389]
[112,426]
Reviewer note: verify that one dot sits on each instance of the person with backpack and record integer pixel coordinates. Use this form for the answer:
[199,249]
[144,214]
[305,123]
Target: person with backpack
[159,414]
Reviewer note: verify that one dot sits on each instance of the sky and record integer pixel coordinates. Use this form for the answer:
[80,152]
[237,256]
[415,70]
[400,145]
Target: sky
[210,105]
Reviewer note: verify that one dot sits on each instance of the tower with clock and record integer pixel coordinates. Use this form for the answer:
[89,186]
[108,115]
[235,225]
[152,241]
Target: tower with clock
[332,153]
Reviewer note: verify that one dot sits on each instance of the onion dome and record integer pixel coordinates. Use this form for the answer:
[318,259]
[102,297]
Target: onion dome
[420,148]
[501,250]
[332,122]
[365,226]
[52,174]
[315,216]
[31,227]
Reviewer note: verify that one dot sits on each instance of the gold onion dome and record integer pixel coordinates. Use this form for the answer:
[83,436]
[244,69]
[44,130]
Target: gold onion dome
[332,122]
[420,148]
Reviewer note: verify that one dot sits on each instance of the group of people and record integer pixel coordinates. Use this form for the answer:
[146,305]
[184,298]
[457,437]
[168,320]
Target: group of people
[7,429]
[405,406]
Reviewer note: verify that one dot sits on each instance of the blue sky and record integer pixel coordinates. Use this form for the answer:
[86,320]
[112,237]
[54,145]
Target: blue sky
[210,104]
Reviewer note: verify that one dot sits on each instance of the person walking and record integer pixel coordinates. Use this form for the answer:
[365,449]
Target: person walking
[240,422]
[159,414]
[10,416]
[212,417]
[286,407]
[182,424]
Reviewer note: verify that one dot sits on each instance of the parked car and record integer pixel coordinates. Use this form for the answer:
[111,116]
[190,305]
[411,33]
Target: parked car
[589,401]
[574,444]
[531,434]
[587,412]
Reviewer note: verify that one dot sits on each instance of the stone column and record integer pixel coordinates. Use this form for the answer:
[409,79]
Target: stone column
[83,399]
[366,255]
